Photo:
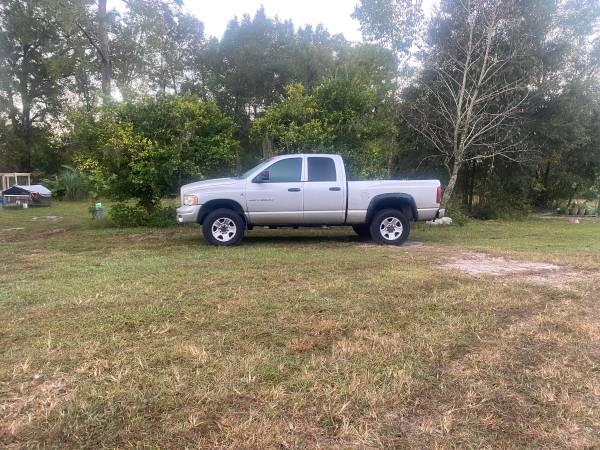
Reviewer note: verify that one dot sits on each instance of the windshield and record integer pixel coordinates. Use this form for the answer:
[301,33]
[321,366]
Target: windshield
[260,166]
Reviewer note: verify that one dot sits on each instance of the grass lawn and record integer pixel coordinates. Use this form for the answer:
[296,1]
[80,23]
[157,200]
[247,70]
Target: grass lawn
[295,339]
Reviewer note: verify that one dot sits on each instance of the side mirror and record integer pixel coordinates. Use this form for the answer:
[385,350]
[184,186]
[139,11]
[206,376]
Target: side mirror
[262,177]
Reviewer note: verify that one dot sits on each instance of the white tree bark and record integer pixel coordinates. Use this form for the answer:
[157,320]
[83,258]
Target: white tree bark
[469,110]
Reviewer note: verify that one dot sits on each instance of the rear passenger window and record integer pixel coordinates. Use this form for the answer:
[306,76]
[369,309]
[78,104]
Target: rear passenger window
[321,169]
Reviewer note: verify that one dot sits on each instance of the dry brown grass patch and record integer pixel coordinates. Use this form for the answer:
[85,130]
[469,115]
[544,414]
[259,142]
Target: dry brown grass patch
[34,400]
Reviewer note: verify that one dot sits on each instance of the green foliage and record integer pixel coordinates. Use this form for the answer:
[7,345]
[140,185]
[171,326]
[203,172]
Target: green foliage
[457,214]
[567,129]
[392,23]
[337,117]
[257,57]
[71,184]
[147,148]
[293,125]
[124,215]
[32,77]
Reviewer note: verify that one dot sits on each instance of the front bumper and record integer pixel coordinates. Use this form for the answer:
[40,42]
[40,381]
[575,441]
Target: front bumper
[188,214]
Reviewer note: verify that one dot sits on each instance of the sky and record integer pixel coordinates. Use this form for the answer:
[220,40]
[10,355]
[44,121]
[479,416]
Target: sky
[333,14]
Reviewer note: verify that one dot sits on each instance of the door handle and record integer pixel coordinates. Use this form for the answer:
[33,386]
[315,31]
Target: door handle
[294,189]
[336,188]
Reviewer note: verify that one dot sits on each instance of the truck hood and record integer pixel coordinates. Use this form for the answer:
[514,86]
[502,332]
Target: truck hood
[207,184]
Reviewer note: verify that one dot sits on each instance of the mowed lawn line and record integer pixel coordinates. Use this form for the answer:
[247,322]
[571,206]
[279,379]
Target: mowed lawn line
[304,340]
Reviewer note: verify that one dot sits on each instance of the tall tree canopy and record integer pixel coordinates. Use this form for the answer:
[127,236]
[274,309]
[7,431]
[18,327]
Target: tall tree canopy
[32,75]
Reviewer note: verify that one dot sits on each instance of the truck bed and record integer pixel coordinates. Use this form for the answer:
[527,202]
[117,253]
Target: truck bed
[360,194]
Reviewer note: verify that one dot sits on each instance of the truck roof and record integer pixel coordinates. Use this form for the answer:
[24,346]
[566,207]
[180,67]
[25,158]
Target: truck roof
[308,154]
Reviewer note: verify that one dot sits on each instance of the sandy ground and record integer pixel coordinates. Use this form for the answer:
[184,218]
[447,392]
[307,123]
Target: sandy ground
[481,264]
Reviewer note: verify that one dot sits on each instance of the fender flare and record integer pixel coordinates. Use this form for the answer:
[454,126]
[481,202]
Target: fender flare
[392,200]
[211,205]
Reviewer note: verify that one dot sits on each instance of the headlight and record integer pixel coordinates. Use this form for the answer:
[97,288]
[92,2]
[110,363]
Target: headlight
[189,200]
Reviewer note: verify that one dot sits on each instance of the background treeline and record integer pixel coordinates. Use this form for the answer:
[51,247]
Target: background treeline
[499,99]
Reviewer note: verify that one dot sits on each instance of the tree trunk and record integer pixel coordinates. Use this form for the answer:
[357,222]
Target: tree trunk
[465,188]
[104,49]
[267,146]
[391,160]
[572,195]
[24,126]
[471,188]
[451,183]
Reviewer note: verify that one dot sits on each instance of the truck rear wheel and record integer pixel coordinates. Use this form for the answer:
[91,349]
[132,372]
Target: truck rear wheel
[362,230]
[223,227]
[389,227]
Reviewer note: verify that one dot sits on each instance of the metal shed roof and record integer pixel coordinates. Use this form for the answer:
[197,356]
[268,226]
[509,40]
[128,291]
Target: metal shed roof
[37,188]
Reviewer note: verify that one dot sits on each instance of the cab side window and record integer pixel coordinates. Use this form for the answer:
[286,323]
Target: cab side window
[321,169]
[285,171]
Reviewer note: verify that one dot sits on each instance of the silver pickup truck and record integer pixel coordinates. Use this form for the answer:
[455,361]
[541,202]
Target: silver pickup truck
[307,190]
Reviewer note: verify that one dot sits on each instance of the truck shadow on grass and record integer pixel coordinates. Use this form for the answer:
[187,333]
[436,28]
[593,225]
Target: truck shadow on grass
[291,238]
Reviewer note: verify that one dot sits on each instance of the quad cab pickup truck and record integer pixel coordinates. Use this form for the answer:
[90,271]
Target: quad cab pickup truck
[307,190]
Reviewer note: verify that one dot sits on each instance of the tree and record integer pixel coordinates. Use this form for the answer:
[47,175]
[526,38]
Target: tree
[468,103]
[93,20]
[340,116]
[568,129]
[33,73]
[393,24]
[159,45]
[147,148]
[250,64]
[292,125]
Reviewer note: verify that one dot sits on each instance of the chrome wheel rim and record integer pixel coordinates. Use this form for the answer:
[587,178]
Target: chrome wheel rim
[391,228]
[223,229]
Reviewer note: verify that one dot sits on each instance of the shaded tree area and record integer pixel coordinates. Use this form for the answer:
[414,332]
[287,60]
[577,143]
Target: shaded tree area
[499,99]
[531,77]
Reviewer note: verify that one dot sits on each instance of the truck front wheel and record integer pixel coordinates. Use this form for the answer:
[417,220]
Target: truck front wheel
[223,227]
[389,227]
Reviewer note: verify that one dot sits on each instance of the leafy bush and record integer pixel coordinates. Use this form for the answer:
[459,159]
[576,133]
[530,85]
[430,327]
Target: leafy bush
[484,212]
[457,215]
[124,215]
[162,217]
[491,211]
[70,184]
[145,149]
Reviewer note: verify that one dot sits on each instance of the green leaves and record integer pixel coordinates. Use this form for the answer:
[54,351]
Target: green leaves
[340,116]
[145,149]
[395,24]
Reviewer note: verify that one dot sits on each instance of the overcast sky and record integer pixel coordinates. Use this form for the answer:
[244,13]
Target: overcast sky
[333,14]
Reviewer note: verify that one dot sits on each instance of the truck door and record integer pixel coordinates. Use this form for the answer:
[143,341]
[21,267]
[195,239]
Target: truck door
[324,192]
[277,198]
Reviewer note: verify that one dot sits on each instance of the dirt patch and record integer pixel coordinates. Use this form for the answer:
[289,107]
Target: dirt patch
[52,232]
[12,229]
[151,237]
[49,218]
[480,264]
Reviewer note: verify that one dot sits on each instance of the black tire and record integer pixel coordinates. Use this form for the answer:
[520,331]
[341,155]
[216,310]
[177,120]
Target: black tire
[362,230]
[226,216]
[395,235]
